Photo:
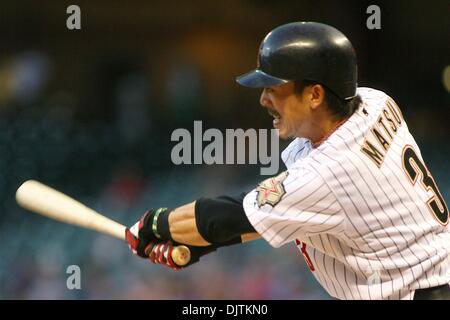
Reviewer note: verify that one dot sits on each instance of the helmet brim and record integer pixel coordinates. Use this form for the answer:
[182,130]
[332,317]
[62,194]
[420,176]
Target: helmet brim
[259,79]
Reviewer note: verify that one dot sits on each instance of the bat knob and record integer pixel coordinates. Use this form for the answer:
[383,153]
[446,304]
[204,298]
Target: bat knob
[181,255]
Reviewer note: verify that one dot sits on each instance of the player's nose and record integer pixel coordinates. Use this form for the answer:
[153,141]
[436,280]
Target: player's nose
[264,99]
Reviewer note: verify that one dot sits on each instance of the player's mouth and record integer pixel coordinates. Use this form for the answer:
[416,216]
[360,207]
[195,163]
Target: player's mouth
[276,117]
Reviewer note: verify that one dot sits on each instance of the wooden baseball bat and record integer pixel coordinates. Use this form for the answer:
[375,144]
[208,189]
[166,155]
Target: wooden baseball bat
[39,198]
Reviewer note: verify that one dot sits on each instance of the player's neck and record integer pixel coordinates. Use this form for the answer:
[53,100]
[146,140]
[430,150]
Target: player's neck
[326,129]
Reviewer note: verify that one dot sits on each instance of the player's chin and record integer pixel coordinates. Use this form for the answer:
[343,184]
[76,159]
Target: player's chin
[282,132]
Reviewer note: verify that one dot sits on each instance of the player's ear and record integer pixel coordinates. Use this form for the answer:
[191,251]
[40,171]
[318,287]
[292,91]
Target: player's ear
[317,95]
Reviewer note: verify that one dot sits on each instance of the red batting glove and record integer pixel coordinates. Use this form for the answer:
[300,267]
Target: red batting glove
[140,235]
[157,252]
[161,253]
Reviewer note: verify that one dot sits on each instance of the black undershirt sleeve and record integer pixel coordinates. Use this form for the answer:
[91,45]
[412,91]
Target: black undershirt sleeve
[222,219]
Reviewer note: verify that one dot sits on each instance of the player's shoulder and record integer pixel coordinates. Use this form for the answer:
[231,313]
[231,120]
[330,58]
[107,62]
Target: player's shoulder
[297,149]
[370,94]
[374,101]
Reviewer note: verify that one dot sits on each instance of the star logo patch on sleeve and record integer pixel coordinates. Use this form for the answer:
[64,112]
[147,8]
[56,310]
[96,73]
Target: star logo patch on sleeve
[271,190]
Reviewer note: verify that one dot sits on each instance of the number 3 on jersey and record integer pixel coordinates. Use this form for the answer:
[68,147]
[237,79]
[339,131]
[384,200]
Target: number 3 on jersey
[414,167]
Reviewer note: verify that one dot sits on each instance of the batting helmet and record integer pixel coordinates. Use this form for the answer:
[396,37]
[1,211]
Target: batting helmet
[305,51]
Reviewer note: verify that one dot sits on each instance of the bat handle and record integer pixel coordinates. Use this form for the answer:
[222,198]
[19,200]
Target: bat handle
[181,254]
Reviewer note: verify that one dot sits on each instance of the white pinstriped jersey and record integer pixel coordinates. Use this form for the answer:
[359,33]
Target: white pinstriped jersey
[362,207]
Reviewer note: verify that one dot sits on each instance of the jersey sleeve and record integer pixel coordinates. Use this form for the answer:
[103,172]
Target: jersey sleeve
[294,204]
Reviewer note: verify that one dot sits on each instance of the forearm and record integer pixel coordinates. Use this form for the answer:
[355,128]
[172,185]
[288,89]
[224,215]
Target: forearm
[183,227]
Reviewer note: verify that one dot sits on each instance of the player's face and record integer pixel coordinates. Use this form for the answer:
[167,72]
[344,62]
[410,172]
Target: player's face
[291,112]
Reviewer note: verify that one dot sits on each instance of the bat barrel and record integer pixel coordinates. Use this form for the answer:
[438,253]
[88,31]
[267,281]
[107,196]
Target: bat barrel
[39,198]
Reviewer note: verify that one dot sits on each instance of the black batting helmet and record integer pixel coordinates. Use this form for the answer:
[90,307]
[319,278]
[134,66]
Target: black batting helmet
[305,51]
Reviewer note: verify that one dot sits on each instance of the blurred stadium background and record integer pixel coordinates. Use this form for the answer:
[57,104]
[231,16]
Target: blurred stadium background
[90,112]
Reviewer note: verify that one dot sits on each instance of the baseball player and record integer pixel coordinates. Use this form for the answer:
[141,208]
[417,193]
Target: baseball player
[357,198]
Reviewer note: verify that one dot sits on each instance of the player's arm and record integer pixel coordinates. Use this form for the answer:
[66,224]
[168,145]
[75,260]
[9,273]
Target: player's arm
[211,221]
[205,224]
